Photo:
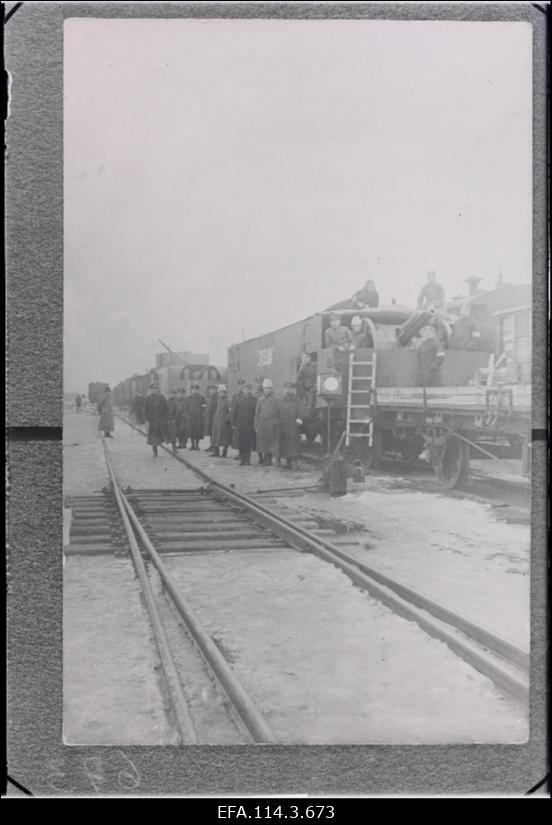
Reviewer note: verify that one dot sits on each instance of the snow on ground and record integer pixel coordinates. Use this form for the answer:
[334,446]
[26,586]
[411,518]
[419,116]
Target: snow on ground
[328,664]
[111,692]
[325,661]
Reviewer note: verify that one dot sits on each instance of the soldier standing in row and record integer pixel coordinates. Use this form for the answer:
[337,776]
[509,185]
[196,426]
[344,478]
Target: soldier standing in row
[172,411]
[430,359]
[243,414]
[222,424]
[265,423]
[105,409]
[235,398]
[289,419]
[156,413]
[210,410]
[196,405]
[258,393]
[181,418]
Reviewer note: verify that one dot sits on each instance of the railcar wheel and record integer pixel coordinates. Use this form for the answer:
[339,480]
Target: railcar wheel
[452,469]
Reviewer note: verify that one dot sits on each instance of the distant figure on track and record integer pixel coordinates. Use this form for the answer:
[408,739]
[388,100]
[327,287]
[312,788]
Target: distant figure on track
[78,402]
[243,414]
[105,409]
[196,407]
[156,414]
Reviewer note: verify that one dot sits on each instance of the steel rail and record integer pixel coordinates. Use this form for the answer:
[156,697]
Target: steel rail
[255,724]
[302,539]
[178,700]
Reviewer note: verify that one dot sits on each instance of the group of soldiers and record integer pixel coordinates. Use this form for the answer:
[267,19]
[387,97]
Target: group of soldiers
[253,420]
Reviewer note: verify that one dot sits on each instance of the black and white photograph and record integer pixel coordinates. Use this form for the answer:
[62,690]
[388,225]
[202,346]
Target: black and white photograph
[298,273]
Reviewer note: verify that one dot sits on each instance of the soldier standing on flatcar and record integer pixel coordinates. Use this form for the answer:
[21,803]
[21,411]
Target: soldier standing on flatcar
[181,418]
[172,414]
[266,414]
[156,413]
[432,294]
[105,409]
[430,359]
[210,410]
[289,419]
[222,424]
[358,334]
[243,413]
[196,406]
[466,334]
[237,395]
[306,381]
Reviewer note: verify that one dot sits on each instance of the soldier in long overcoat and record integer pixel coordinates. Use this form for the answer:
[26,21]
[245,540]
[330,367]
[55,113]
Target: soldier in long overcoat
[196,407]
[237,395]
[209,414]
[105,409]
[181,418]
[289,419]
[266,415]
[430,359]
[156,413]
[172,407]
[243,414]
[222,424]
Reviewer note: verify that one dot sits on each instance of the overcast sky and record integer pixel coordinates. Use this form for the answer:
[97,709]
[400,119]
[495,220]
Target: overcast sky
[224,178]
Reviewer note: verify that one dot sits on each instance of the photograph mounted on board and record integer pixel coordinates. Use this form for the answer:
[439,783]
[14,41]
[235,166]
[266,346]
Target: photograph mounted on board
[297,381]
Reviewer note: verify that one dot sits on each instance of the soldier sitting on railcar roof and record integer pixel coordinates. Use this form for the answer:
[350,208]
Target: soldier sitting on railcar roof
[367,296]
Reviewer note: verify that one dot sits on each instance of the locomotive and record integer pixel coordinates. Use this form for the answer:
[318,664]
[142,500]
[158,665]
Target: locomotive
[366,400]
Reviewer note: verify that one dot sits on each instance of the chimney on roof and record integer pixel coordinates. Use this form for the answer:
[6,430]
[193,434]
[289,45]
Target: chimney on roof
[472,284]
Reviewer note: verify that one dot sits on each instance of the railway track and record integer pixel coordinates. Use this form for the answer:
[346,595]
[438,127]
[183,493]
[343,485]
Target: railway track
[213,517]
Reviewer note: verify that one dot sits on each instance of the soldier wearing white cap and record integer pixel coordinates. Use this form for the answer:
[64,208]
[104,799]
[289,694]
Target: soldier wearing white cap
[266,416]
[358,335]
